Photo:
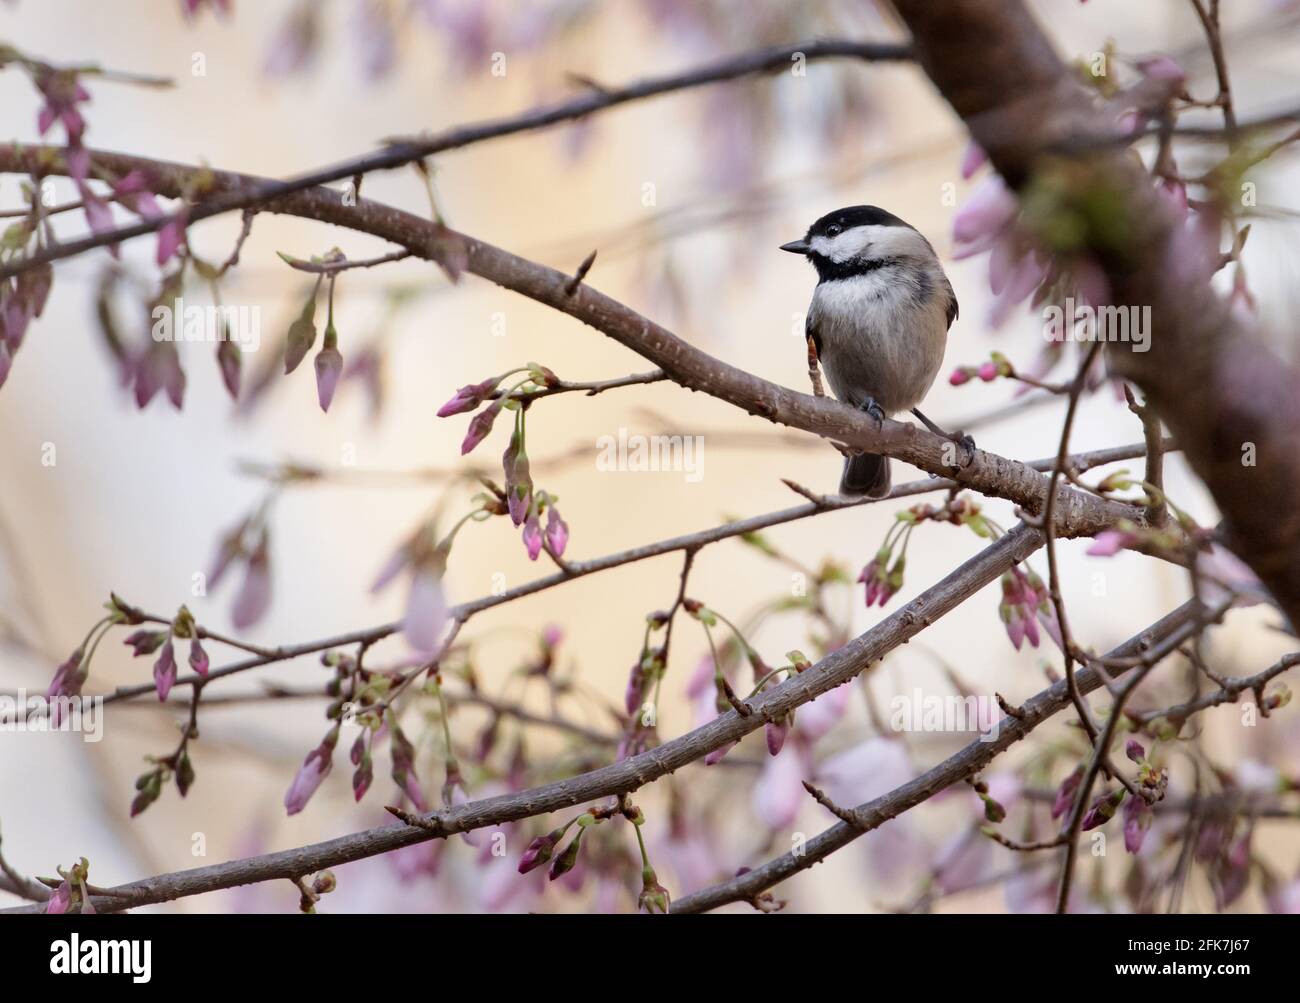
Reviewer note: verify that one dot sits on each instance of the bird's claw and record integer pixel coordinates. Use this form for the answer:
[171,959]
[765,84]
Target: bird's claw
[967,444]
[874,410]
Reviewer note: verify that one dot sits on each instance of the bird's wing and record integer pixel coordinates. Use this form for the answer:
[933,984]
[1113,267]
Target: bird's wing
[810,331]
[952,302]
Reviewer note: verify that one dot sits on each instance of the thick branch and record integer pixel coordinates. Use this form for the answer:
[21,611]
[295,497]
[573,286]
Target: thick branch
[1230,401]
[1078,514]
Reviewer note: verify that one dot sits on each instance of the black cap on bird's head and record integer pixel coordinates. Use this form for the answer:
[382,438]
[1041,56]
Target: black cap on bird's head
[859,239]
[835,223]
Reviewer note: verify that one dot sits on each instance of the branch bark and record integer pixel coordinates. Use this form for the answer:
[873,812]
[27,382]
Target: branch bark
[1231,402]
[1167,632]
[619,778]
[1077,513]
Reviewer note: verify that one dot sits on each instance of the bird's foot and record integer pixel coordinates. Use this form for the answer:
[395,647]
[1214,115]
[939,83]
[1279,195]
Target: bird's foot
[874,410]
[966,442]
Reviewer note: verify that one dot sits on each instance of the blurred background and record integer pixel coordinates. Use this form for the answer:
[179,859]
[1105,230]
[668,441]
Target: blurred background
[686,197]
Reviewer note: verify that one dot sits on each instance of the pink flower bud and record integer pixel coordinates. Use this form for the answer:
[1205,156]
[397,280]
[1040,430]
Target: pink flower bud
[170,238]
[777,731]
[329,367]
[960,375]
[540,849]
[557,532]
[314,769]
[229,360]
[1137,820]
[255,591]
[972,160]
[1133,749]
[468,397]
[533,536]
[198,658]
[480,425]
[1102,809]
[426,611]
[164,670]
[1110,542]
[59,903]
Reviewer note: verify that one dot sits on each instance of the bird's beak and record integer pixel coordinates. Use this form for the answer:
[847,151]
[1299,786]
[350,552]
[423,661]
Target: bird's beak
[796,247]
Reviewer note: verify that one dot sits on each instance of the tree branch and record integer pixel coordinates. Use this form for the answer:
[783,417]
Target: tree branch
[400,152]
[619,778]
[1166,633]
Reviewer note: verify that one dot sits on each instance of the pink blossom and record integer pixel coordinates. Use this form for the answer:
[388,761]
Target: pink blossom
[717,755]
[403,753]
[164,670]
[329,367]
[532,536]
[972,160]
[62,94]
[983,217]
[170,238]
[1137,820]
[68,677]
[295,43]
[395,565]
[865,771]
[198,658]
[1110,542]
[1066,791]
[158,367]
[133,192]
[229,361]
[1285,900]
[557,531]
[469,397]
[776,732]
[254,596]
[426,611]
[60,901]
[817,717]
[1161,67]
[779,792]
[314,769]
[1222,572]
[962,862]
[480,425]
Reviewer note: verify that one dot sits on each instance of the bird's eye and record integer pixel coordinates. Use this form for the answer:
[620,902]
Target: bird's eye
[834,230]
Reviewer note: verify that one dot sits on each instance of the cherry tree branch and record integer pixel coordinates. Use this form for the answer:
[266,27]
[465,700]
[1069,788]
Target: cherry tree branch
[690,542]
[1078,513]
[400,152]
[1228,398]
[1163,636]
[619,778]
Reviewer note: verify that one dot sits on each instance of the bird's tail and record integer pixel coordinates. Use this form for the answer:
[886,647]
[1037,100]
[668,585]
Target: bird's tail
[865,474]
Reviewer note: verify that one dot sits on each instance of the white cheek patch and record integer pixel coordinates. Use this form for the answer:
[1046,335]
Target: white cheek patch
[847,245]
[871,242]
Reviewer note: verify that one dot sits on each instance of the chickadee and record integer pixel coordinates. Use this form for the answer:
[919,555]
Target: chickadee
[879,320]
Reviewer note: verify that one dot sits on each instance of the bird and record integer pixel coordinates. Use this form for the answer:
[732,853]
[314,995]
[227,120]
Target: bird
[878,323]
